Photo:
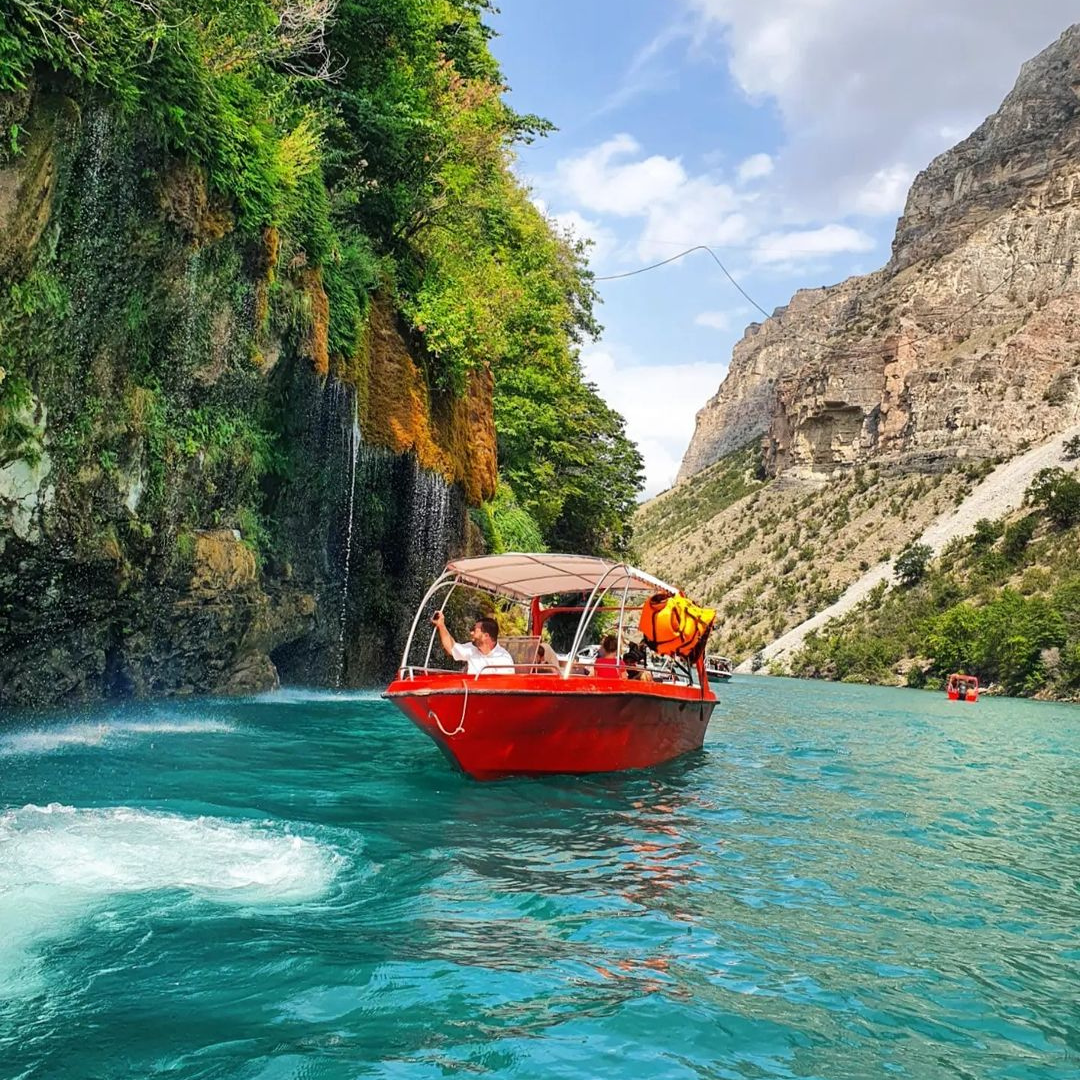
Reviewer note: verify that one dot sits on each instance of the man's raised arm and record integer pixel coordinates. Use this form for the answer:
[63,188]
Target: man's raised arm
[448,642]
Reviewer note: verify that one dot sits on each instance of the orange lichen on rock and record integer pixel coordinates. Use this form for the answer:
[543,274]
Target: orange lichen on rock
[317,334]
[266,260]
[454,436]
[186,201]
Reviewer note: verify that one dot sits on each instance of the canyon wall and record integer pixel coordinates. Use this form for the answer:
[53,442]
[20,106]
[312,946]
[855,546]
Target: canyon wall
[193,496]
[967,344]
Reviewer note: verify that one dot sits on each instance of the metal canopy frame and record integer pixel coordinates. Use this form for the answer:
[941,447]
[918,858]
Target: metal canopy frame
[517,576]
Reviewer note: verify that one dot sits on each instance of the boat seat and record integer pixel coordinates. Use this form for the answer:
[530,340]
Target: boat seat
[521,648]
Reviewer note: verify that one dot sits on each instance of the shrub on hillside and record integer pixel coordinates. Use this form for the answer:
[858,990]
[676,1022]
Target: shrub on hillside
[984,534]
[1058,493]
[1017,537]
[911,564]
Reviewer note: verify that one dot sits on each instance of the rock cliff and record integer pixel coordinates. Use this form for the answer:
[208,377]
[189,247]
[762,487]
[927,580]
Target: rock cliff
[967,344]
[195,496]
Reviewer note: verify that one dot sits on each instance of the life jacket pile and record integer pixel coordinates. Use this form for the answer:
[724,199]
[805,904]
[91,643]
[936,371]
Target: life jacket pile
[675,626]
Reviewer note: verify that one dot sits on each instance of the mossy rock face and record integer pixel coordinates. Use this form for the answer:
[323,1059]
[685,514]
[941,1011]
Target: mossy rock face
[28,174]
[452,436]
[204,503]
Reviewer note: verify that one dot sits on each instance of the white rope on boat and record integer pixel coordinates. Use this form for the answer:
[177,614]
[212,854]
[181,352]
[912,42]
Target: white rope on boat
[461,723]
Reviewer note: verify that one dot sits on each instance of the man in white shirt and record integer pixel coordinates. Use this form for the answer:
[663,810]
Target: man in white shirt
[485,654]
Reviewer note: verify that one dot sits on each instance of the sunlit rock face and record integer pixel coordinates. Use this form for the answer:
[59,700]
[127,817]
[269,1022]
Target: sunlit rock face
[145,372]
[966,344]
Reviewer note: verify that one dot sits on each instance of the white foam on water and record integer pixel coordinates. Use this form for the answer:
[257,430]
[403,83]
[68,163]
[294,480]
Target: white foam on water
[58,862]
[47,740]
[297,695]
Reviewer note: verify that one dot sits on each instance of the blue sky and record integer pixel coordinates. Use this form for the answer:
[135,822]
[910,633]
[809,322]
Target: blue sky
[782,133]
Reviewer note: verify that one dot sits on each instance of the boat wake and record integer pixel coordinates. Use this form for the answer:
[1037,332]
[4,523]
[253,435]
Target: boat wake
[58,863]
[46,740]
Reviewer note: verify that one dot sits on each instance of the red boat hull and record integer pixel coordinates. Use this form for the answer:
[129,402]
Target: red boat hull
[529,725]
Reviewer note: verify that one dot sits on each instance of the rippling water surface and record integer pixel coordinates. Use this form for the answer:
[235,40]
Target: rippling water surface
[846,882]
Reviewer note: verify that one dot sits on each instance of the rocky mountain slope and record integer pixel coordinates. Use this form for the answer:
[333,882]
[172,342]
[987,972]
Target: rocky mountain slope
[858,414]
[1000,495]
[965,344]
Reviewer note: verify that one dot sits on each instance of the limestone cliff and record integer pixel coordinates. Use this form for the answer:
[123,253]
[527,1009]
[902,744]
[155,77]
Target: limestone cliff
[967,344]
[194,496]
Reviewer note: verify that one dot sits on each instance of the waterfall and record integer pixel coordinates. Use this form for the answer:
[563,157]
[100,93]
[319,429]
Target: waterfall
[189,327]
[373,529]
[353,449]
[429,521]
[104,190]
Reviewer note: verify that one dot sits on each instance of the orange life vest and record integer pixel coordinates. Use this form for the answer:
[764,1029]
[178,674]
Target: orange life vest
[674,626]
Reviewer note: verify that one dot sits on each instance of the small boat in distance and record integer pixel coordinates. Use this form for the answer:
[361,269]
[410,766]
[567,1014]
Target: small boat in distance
[961,687]
[718,667]
[530,717]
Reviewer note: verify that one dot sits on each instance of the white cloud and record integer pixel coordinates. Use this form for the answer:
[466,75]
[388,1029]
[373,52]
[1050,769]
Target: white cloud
[615,178]
[603,239]
[885,192]
[602,180]
[807,244]
[755,168]
[703,213]
[714,320]
[641,392]
[870,91]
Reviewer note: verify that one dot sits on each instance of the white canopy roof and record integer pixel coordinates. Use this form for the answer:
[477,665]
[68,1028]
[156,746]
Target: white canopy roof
[524,576]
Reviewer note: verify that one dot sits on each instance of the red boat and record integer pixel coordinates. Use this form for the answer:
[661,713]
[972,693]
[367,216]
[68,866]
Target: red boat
[531,718]
[961,687]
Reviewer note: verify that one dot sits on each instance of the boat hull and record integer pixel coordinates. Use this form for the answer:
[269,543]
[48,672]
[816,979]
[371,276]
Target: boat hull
[496,726]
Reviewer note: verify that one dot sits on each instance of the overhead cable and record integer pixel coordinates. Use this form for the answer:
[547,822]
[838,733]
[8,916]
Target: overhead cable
[696,247]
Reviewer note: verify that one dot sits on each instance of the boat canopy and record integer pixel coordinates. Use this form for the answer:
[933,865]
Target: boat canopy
[525,576]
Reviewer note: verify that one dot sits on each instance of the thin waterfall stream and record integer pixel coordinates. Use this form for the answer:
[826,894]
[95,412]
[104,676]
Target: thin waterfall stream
[352,435]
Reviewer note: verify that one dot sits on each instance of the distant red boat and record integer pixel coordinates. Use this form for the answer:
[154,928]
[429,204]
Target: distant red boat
[531,718]
[961,687]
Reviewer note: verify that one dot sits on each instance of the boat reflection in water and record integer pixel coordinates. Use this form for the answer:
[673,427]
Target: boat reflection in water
[533,718]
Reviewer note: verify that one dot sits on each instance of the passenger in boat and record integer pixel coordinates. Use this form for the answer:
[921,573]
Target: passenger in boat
[484,654]
[608,665]
[547,663]
[636,659]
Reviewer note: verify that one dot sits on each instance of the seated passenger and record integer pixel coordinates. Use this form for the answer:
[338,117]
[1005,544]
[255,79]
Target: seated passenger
[608,665]
[636,659]
[547,663]
[485,654]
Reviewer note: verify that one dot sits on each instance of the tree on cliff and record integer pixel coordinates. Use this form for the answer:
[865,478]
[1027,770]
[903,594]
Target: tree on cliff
[911,564]
[367,144]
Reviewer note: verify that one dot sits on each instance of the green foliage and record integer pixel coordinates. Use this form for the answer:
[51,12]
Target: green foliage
[911,564]
[18,439]
[379,153]
[506,526]
[984,534]
[350,275]
[1058,492]
[1000,642]
[1011,617]
[1017,537]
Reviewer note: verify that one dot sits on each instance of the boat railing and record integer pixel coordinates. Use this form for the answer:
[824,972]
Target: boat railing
[578,671]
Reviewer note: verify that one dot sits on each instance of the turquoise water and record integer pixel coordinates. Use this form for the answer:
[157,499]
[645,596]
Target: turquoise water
[846,882]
